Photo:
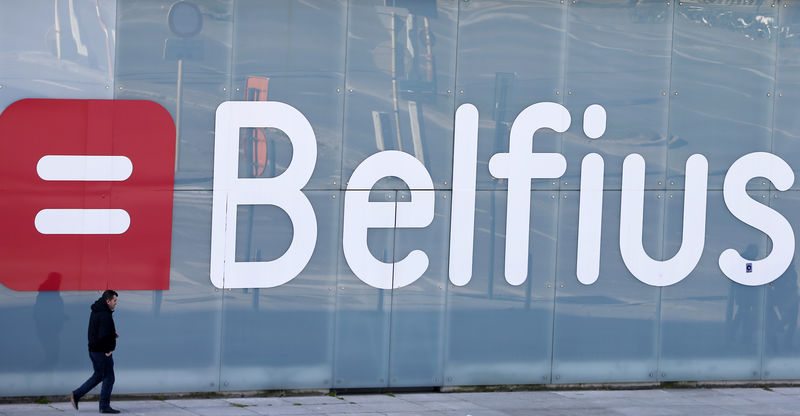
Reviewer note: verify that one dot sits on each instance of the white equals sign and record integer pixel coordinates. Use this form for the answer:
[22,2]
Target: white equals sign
[83,168]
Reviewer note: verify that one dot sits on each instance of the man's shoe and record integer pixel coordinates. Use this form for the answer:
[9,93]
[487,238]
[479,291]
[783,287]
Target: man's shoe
[73,400]
[109,410]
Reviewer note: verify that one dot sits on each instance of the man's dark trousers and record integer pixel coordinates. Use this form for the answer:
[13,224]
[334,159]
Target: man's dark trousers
[103,371]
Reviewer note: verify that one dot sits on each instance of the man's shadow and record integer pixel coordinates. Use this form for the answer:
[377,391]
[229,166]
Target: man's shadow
[49,319]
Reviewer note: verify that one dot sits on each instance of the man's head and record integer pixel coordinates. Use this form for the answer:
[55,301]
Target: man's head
[110,297]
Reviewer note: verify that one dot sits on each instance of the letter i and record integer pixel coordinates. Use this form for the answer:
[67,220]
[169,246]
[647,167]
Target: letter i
[590,211]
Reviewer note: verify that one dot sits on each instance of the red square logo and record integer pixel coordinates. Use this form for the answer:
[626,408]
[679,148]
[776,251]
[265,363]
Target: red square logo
[87,189]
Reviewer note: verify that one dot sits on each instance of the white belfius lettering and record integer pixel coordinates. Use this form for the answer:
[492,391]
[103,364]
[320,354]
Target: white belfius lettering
[282,191]
[631,217]
[520,165]
[360,215]
[590,218]
[762,217]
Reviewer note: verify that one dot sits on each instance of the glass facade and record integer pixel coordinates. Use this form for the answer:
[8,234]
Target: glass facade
[717,78]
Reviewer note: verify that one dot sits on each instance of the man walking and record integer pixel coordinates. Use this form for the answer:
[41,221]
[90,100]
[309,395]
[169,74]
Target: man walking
[102,342]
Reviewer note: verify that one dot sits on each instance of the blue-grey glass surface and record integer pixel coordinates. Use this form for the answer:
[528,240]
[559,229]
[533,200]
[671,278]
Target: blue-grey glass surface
[502,72]
[786,128]
[56,50]
[282,337]
[498,333]
[606,331]
[711,326]
[363,314]
[49,351]
[618,56]
[155,64]
[400,67]
[722,81]
[418,310]
[302,65]
[781,347]
[676,78]
[170,340]
[48,354]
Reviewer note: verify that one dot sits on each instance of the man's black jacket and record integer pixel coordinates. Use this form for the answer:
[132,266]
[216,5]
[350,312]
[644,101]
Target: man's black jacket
[102,333]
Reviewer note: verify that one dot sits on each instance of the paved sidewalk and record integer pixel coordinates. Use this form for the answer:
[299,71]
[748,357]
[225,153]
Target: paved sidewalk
[720,401]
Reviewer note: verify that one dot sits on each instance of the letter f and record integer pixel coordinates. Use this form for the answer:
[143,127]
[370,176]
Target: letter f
[519,166]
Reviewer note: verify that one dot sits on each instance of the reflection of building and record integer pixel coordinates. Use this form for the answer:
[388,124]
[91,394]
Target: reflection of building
[255,139]
[716,78]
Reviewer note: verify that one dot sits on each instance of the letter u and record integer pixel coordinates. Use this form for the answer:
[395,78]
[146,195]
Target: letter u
[641,265]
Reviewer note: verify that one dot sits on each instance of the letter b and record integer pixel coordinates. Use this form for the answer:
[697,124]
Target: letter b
[282,191]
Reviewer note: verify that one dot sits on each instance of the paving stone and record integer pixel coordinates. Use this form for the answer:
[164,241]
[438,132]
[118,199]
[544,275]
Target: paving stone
[551,412]
[358,414]
[704,410]
[788,391]
[368,398]
[428,397]
[326,409]
[260,401]
[154,412]
[478,412]
[189,403]
[222,411]
[448,405]
[392,406]
[648,410]
[313,400]
[763,409]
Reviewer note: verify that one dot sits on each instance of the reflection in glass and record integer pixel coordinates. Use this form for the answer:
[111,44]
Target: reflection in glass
[400,67]
[49,318]
[722,79]
[783,296]
[711,326]
[607,330]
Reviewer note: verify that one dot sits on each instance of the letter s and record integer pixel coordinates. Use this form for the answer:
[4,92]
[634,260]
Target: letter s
[762,217]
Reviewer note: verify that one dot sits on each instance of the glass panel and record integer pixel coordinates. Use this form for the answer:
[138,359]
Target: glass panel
[786,131]
[628,75]
[723,71]
[48,355]
[169,340]
[501,74]
[400,67]
[282,337]
[294,52]
[606,331]
[363,314]
[66,51]
[189,76]
[417,339]
[711,326]
[780,342]
[498,333]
